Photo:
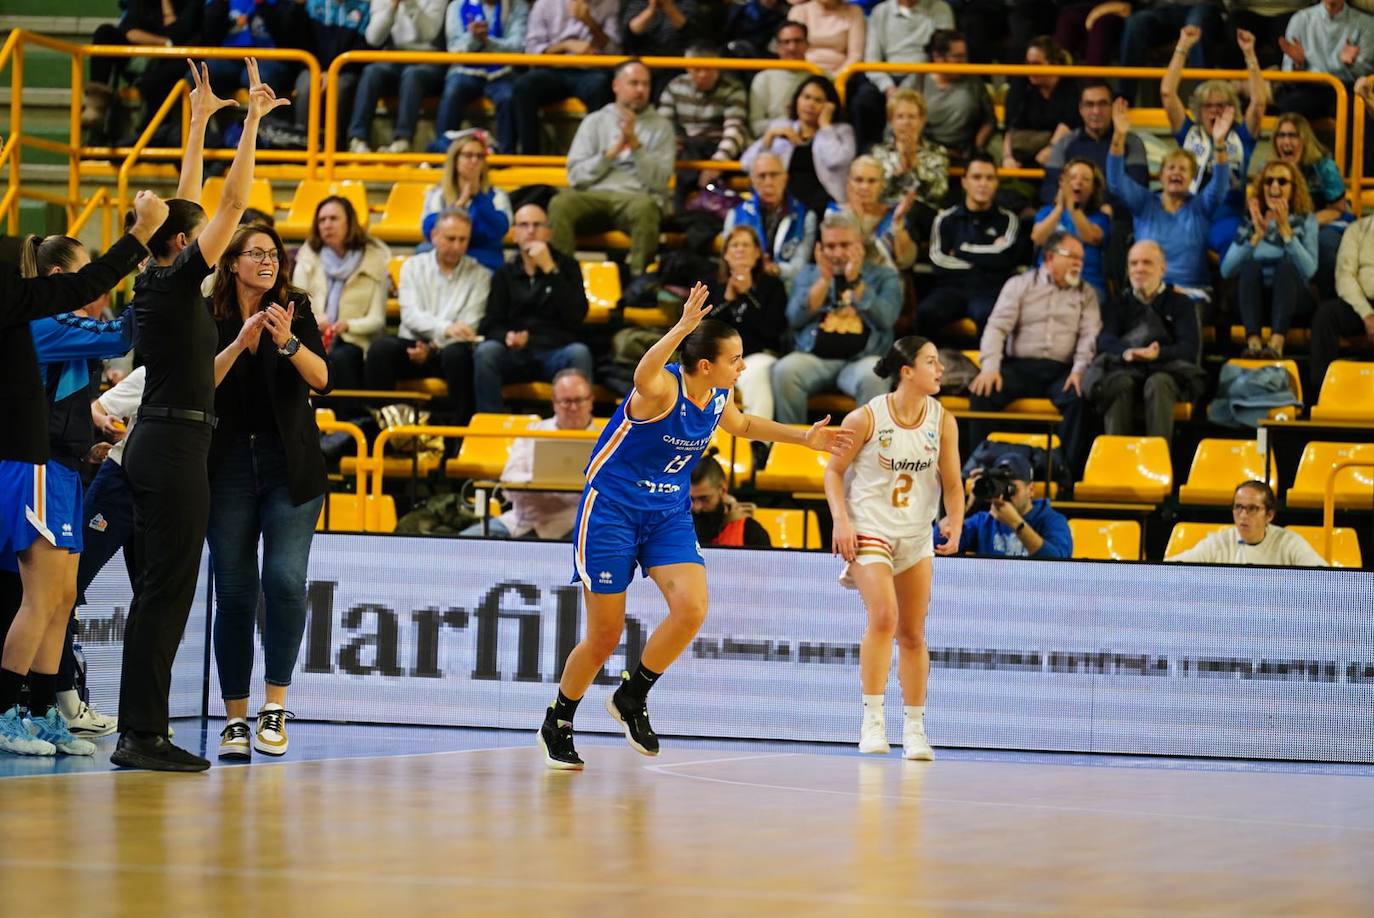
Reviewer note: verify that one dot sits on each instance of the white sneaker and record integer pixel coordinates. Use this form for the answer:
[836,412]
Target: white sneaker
[358,145]
[270,737]
[399,145]
[83,719]
[234,742]
[915,746]
[873,734]
[52,728]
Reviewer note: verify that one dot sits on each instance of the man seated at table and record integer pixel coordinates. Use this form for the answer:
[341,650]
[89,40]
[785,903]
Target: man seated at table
[543,514]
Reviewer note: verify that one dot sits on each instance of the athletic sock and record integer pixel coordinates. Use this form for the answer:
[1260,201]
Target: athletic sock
[636,688]
[564,709]
[916,710]
[11,686]
[873,703]
[42,693]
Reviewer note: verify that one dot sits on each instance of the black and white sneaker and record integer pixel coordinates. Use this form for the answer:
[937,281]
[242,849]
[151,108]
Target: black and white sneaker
[235,741]
[635,718]
[557,742]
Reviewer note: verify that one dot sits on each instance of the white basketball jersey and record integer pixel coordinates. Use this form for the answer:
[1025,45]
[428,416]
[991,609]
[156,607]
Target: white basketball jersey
[894,481]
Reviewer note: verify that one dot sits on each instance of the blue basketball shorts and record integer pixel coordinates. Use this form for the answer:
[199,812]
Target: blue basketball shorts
[609,539]
[38,501]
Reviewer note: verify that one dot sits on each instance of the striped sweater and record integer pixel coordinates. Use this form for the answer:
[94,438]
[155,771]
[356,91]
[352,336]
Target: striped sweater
[720,114]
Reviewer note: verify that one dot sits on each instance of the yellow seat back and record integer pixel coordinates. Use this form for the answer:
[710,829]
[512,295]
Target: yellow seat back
[1107,540]
[1135,469]
[790,528]
[1185,535]
[1345,544]
[1218,466]
[791,468]
[1347,393]
[485,457]
[1354,487]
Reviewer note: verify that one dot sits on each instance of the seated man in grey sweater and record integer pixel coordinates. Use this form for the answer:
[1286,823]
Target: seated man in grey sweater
[618,169]
[1255,539]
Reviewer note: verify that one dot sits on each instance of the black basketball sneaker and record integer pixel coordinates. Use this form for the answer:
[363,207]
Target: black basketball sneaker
[634,715]
[557,742]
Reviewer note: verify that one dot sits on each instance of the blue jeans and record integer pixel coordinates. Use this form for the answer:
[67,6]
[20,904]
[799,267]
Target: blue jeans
[495,364]
[379,79]
[495,530]
[460,91]
[1148,27]
[248,501]
[801,374]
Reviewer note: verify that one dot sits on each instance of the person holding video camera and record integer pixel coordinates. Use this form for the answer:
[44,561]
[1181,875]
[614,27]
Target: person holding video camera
[1014,525]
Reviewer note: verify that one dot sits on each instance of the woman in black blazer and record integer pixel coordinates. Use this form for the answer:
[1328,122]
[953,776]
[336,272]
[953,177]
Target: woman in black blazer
[267,477]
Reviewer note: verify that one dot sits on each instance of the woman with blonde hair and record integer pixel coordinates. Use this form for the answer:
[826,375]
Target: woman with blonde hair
[343,269]
[1192,127]
[887,237]
[1274,256]
[911,163]
[1297,145]
[465,184]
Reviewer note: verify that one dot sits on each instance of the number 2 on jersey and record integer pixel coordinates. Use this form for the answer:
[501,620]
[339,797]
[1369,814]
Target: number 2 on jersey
[677,463]
[900,496]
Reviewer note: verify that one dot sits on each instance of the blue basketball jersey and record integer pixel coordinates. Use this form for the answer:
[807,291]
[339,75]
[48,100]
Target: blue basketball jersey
[648,463]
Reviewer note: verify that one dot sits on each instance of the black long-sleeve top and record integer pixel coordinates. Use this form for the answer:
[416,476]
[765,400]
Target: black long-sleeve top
[23,403]
[760,315]
[1178,312]
[551,307]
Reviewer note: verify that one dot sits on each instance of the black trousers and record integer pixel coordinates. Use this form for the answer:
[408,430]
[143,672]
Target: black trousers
[165,465]
[1035,378]
[387,362]
[954,298]
[1334,320]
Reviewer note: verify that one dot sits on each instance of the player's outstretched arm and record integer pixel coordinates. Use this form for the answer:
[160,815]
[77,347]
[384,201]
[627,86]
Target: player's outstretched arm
[818,436]
[655,388]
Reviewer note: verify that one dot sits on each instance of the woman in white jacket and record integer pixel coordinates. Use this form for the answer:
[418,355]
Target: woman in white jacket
[345,272]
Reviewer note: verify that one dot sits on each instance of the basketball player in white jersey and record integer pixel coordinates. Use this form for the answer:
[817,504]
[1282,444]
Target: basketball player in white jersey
[884,493]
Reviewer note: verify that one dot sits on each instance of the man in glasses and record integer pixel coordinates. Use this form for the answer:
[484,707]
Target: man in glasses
[534,314]
[1092,141]
[1255,539]
[772,90]
[543,514]
[1038,343]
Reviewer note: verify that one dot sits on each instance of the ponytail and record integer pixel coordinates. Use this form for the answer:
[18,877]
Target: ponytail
[902,354]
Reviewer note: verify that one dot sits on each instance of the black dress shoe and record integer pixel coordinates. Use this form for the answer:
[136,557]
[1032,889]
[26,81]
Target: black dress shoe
[155,753]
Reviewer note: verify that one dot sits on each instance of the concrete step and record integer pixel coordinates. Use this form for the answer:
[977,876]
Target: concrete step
[78,29]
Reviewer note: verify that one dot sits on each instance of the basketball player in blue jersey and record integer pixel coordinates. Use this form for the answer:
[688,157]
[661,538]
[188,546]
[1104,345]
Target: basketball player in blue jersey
[636,511]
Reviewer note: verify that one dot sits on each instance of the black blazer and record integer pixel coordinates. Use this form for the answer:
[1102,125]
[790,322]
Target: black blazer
[23,403]
[289,401]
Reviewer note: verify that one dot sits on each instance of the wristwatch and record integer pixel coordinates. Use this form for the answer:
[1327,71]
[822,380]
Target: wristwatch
[1019,526]
[289,349]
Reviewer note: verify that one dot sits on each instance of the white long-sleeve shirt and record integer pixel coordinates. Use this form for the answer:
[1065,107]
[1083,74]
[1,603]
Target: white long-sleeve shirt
[122,401]
[431,300]
[1279,548]
[407,25]
[550,514]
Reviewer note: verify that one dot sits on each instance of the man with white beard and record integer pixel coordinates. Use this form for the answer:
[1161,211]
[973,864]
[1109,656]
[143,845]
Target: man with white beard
[1038,343]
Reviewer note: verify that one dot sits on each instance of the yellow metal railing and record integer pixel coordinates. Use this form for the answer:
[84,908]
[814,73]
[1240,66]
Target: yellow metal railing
[1329,503]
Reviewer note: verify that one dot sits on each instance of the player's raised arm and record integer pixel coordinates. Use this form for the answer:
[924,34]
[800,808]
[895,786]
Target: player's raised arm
[655,388]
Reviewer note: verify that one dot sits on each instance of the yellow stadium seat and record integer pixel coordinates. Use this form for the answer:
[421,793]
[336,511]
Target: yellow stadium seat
[1347,393]
[1025,439]
[648,318]
[485,457]
[1106,540]
[835,404]
[786,530]
[401,214]
[1345,545]
[1218,466]
[743,458]
[396,466]
[1031,406]
[514,177]
[300,216]
[601,281]
[349,512]
[393,270]
[324,416]
[791,468]
[1135,469]
[1291,366]
[1354,487]
[259,195]
[430,385]
[1185,535]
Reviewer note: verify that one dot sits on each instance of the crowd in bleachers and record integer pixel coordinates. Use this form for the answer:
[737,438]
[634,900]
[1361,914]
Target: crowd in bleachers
[851,227]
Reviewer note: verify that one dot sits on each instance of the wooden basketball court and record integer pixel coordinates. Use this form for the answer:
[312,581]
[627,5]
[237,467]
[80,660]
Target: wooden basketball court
[696,831]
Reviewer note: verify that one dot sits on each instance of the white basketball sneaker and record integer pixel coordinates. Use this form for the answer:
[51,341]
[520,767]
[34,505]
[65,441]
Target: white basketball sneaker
[873,734]
[915,746]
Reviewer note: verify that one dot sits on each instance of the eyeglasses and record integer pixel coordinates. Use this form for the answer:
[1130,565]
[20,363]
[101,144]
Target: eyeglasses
[1281,181]
[262,255]
[571,402]
[1248,508]
[1069,254]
